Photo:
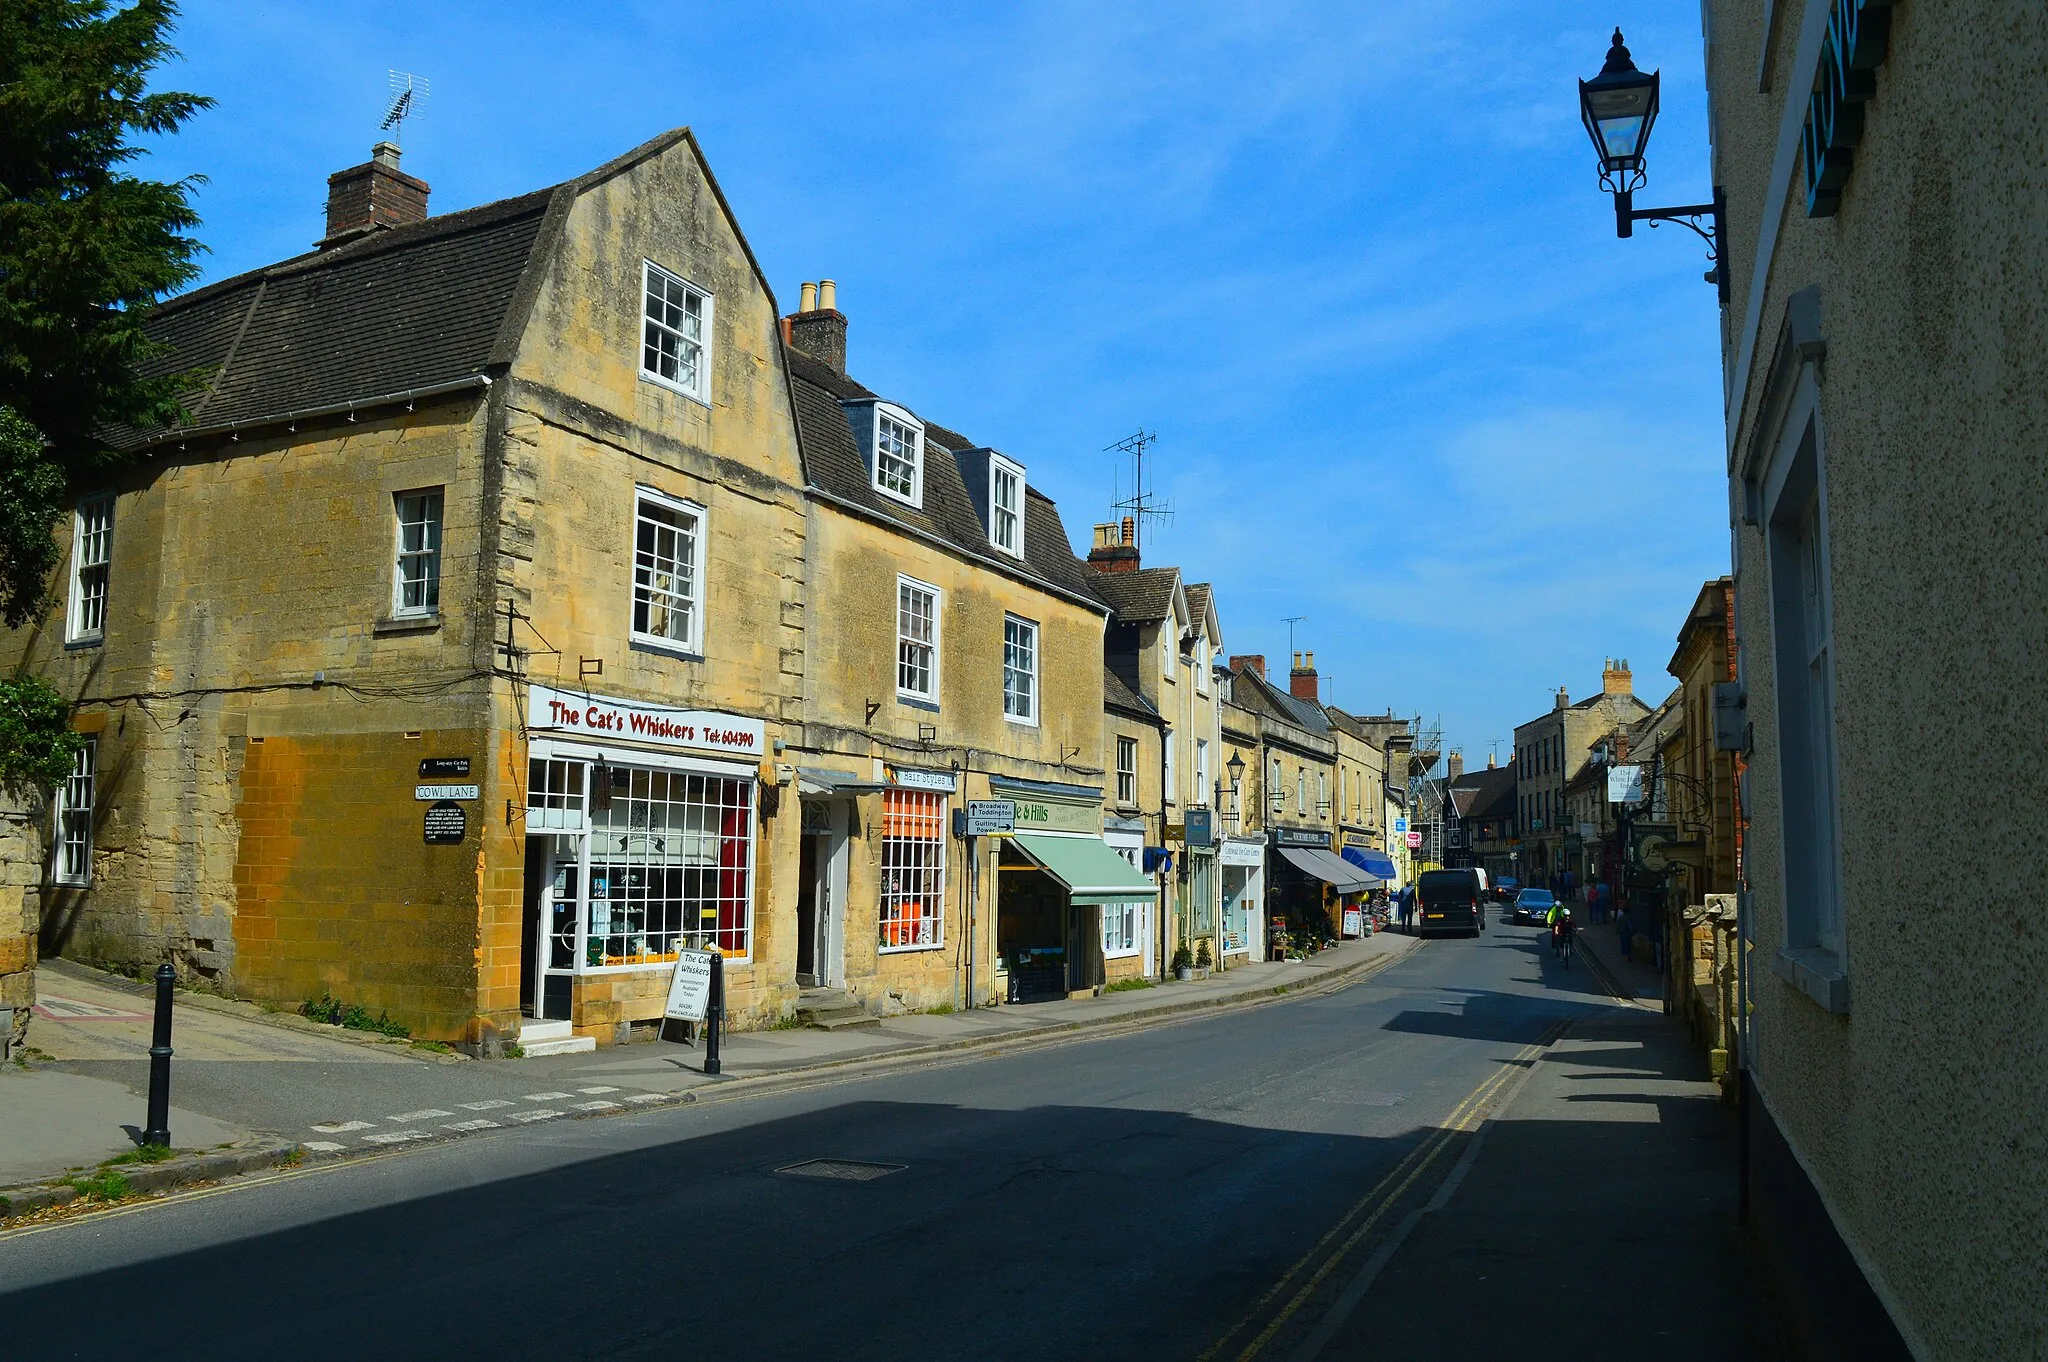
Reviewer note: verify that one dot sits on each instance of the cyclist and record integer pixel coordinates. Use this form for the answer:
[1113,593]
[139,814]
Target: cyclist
[1562,936]
[1555,917]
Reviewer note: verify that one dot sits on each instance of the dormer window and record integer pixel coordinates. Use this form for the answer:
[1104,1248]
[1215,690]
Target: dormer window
[899,456]
[1006,505]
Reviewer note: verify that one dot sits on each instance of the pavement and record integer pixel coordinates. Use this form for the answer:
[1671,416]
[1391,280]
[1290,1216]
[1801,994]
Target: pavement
[1628,976]
[1471,1152]
[243,1075]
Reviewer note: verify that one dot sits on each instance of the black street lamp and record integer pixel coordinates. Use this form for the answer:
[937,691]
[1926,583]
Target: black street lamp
[1619,107]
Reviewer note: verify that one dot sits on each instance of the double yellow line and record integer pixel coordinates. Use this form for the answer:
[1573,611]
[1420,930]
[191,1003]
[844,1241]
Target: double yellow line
[1371,1209]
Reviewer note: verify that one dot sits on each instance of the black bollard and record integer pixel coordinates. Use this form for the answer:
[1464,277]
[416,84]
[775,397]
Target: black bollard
[714,1013]
[158,1130]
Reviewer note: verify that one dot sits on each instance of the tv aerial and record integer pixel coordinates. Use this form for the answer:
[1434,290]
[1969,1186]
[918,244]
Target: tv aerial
[1142,504]
[408,93]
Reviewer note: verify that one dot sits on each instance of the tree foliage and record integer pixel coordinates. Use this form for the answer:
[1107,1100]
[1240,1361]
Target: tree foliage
[37,746]
[85,249]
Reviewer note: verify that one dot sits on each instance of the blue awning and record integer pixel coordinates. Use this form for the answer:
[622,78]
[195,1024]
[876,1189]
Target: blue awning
[1375,863]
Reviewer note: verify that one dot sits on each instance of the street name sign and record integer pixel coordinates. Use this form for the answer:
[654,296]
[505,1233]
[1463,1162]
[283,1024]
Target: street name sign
[433,792]
[689,988]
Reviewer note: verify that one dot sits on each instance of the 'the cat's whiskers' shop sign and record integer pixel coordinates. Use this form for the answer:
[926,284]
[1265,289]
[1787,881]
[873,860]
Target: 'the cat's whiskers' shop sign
[604,716]
[689,988]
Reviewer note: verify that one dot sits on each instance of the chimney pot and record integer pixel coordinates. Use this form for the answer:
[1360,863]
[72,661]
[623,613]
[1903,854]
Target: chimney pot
[828,295]
[1114,551]
[809,298]
[819,328]
[1302,683]
[373,195]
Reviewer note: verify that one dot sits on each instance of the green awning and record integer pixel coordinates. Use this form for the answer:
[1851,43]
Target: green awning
[1091,872]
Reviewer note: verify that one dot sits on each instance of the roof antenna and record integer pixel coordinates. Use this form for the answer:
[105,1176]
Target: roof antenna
[408,93]
[1140,503]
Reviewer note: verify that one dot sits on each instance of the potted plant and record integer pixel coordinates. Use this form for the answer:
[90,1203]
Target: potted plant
[1183,963]
[1203,959]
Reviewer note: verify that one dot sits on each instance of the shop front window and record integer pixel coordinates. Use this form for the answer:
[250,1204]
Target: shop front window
[913,870]
[1122,929]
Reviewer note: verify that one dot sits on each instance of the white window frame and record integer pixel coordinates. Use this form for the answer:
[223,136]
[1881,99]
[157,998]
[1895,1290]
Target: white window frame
[1126,775]
[1322,788]
[1124,930]
[931,918]
[1301,791]
[1170,768]
[929,695]
[912,427]
[1201,664]
[1031,675]
[695,598]
[998,468]
[427,555]
[700,389]
[72,831]
[1202,791]
[1169,651]
[92,560]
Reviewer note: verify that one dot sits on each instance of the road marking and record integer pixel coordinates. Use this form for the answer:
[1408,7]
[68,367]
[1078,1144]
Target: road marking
[492,1105]
[397,1137]
[592,1092]
[426,1114]
[478,1124]
[549,1096]
[599,1105]
[324,1146]
[648,1097]
[344,1127]
[529,1117]
[1374,1205]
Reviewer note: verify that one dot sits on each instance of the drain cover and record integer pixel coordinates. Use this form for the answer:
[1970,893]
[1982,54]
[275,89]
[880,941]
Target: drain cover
[842,1170]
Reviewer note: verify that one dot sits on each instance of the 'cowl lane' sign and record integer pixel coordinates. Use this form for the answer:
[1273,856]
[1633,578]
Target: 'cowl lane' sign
[608,717]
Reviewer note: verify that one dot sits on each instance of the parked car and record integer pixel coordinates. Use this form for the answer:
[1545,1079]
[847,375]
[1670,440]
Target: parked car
[1532,907]
[1505,888]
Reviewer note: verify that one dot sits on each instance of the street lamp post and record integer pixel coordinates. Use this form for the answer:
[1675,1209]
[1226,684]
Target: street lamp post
[1619,107]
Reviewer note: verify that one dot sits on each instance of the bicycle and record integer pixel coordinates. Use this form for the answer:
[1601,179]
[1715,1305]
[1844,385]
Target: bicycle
[1563,944]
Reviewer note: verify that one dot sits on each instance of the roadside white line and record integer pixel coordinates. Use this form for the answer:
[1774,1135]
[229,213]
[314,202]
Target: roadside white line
[478,1124]
[323,1146]
[529,1117]
[494,1104]
[344,1127]
[592,1092]
[406,1118]
[397,1137]
[549,1096]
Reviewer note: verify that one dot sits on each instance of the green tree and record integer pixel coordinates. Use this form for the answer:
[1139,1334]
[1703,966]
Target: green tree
[36,742]
[85,249]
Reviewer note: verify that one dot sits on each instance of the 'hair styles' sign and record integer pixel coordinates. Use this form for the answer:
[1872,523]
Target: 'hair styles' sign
[605,717]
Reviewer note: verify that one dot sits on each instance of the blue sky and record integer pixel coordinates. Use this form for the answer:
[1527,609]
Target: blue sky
[1348,260]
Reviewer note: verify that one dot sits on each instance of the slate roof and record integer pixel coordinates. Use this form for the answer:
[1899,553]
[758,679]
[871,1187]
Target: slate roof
[1476,794]
[400,310]
[1139,597]
[1117,695]
[834,464]
[1279,704]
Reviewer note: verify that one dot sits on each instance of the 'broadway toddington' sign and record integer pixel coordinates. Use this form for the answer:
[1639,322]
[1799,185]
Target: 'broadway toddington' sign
[604,716]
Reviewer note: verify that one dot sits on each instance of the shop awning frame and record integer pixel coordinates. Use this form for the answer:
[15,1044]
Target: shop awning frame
[1090,871]
[1334,871]
[1374,863]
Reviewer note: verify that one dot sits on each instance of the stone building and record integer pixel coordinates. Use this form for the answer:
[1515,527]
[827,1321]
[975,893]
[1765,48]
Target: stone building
[1886,373]
[959,648]
[1360,798]
[1549,751]
[438,661]
[1133,812]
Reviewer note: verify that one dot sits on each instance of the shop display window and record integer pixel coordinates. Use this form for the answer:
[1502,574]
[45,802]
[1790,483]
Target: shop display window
[913,908]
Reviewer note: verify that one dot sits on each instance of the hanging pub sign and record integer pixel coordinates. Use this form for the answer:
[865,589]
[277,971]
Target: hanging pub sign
[445,824]
[1624,784]
[1201,829]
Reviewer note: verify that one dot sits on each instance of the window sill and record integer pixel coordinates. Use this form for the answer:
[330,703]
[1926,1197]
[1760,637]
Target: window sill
[1021,723]
[74,645]
[671,386]
[674,650]
[913,702]
[1817,973]
[906,950]
[407,624]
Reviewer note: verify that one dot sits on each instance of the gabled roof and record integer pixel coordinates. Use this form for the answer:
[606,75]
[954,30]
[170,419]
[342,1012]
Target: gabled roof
[399,312]
[835,466]
[1477,794]
[1271,700]
[1143,596]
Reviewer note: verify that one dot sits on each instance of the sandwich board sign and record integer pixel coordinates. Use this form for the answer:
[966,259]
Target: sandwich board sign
[689,988]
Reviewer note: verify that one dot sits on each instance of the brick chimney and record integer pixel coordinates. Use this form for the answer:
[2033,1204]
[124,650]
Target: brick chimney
[1615,678]
[818,327]
[1301,680]
[1455,764]
[1249,662]
[1116,547]
[373,195]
